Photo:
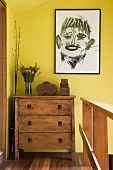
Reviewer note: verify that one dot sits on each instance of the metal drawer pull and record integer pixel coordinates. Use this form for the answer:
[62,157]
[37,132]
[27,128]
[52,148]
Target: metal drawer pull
[60,140]
[29,139]
[59,123]
[29,123]
[59,106]
[29,106]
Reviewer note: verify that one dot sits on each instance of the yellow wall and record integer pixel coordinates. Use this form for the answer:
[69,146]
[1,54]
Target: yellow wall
[37,45]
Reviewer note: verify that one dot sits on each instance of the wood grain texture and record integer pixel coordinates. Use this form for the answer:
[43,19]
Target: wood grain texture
[45,140]
[73,130]
[44,107]
[46,87]
[87,126]
[106,108]
[45,161]
[44,123]
[100,138]
[16,130]
[95,127]
[46,97]
[1,78]
[37,123]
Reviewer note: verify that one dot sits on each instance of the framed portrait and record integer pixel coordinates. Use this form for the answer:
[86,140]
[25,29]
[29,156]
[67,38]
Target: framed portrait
[77,41]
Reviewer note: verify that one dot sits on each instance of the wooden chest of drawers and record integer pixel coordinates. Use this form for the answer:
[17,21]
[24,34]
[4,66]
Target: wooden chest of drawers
[44,122]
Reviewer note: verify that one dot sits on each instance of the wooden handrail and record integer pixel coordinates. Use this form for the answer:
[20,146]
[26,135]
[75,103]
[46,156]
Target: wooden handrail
[93,160]
[106,108]
[94,131]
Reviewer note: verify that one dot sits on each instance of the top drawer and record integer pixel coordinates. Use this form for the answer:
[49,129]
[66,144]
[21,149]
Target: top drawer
[44,107]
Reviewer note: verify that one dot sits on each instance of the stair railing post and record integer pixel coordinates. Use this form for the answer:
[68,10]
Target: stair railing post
[87,126]
[100,137]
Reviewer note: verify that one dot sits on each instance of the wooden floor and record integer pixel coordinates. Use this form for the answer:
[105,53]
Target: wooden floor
[45,161]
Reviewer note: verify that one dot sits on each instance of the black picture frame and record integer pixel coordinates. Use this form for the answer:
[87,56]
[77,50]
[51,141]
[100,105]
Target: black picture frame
[77,41]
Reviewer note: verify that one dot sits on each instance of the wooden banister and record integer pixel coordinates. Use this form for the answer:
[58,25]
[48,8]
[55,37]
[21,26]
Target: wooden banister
[95,115]
[94,163]
[107,109]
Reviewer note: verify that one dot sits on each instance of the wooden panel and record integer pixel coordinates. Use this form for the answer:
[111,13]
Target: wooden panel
[106,108]
[44,123]
[42,107]
[100,138]
[99,121]
[44,140]
[73,132]
[1,78]
[16,130]
[87,126]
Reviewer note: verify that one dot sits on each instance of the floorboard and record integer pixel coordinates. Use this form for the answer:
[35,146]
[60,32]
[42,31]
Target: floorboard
[45,161]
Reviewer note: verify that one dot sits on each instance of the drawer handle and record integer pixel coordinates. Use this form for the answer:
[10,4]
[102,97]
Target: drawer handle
[60,140]
[29,140]
[59,123]
[59,106]
[29,123]
[29,106]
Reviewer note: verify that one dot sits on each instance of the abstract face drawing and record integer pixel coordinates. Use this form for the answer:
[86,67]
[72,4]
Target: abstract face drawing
[74,40]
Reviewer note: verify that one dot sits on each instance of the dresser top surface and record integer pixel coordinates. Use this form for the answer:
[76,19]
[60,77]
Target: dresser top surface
[46,97]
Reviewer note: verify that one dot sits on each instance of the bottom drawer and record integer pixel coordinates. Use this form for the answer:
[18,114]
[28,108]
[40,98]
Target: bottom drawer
[44,140]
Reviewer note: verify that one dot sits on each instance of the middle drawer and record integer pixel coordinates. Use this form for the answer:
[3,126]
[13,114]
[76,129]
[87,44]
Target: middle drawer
[44,123]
